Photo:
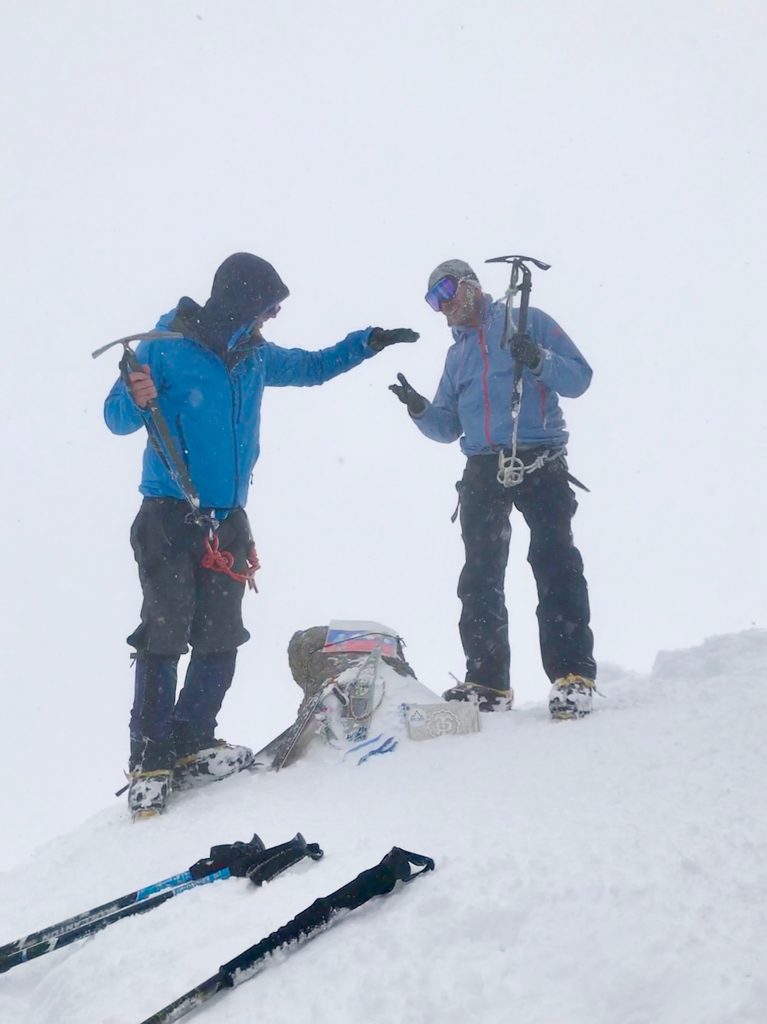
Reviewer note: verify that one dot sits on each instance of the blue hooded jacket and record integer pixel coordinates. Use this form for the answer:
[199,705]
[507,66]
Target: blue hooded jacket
[473,400]
[212,405]
[210,382]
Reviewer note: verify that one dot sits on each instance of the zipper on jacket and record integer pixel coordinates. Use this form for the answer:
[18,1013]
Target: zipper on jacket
[234,439]
[182,439]
[485,385]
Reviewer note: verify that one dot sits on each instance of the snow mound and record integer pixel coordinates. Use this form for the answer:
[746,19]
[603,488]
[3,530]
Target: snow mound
[605,871]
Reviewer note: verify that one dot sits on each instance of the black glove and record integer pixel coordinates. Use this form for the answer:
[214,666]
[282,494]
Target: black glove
[380,338]
[408,396]
[524,348]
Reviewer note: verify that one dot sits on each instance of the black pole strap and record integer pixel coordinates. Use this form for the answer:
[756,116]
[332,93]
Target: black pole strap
[259,865]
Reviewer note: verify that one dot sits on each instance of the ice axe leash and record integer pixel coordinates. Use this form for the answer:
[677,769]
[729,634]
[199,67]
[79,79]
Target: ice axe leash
[162,441]
[511,469]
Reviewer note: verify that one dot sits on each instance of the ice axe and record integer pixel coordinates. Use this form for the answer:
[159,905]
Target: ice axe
[145,336]
[518,268]
[510,467]
[156,424]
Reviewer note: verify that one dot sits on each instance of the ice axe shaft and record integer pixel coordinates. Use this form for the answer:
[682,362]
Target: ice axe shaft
[510,472]
[156,424]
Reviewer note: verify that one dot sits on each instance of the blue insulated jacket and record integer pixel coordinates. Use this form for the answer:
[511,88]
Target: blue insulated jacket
[213,409]
[473,400]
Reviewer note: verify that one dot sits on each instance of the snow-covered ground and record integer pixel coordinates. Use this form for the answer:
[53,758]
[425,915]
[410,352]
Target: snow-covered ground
[607,871]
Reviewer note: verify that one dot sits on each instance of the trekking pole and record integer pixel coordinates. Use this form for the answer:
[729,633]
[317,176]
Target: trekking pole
[396,866]
[235,860]
[511,469]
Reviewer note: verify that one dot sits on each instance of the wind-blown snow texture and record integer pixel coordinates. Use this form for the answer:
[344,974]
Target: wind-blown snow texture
[607,871]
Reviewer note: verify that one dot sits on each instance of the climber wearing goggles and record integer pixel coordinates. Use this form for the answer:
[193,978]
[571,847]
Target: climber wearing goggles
[442,291]
[458,297]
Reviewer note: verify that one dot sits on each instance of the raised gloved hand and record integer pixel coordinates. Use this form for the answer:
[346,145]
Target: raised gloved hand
[408,396]
[381,338]
[524,348]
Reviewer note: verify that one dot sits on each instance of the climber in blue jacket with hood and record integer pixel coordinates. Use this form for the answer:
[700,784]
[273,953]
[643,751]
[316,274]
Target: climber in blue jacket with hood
[473,402]
[194,563]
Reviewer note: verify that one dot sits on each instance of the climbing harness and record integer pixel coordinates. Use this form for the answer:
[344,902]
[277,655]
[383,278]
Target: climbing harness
[512,470]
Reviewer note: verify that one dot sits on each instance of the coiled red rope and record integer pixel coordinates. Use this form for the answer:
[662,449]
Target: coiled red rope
[223,561]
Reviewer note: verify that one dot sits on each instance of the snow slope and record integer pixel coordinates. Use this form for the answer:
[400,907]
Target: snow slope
[607,871]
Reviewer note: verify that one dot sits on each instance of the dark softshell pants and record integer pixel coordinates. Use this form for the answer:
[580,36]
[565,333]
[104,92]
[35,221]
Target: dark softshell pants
[184,605]
[548,504]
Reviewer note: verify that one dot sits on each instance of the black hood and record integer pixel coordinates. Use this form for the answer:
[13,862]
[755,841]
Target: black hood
[244,287]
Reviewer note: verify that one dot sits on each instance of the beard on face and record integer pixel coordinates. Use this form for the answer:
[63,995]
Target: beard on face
[464,313]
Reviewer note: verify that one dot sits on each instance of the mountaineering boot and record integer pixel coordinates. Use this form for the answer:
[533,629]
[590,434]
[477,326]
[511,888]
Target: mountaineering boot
[214,761]
[570,696]
[487,697]
[148,792]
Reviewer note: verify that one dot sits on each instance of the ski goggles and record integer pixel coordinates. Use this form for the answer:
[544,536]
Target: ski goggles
[442,291]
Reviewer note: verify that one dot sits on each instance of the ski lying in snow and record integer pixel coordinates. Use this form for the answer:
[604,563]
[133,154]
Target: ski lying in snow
[250,860]
[396,867]
[285,747]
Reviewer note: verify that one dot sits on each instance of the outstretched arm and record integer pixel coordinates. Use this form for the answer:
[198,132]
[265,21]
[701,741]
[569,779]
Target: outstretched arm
[298,367]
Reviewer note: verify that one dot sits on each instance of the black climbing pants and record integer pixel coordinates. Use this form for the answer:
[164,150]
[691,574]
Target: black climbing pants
[548,504]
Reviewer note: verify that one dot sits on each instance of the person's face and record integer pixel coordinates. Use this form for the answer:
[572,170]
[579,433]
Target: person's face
[464,309]
[268,314]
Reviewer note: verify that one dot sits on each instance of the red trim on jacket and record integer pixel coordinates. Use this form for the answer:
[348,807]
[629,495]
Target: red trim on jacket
[542,391]
[485,388]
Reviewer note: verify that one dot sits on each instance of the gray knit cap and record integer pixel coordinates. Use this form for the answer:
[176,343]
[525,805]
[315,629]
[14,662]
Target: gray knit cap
[451,268]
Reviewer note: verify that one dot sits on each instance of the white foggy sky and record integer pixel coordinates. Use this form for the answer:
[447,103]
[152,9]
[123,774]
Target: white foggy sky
[356,145]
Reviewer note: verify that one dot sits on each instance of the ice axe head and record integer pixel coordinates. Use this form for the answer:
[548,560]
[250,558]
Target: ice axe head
[519,260]
[519,266]
[144,336]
